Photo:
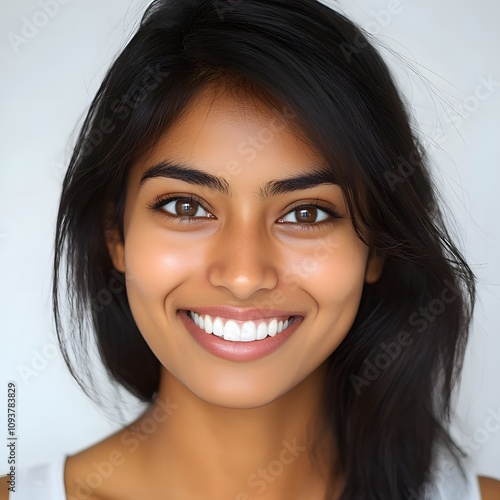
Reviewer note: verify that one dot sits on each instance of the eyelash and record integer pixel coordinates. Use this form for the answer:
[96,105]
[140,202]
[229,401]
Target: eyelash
[158,204]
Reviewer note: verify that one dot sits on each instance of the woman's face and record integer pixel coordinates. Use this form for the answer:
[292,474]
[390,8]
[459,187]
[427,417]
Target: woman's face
[244,245]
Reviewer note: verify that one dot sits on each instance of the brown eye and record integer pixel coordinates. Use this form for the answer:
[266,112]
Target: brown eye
[186,208]
[306,214]
[180,207]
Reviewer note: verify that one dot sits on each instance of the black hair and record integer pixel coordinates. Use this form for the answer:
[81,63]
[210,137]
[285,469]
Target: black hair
[390,382]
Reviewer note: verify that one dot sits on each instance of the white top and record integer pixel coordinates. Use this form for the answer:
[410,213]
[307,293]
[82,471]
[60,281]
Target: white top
[449,484]
[41,482]
[44,482]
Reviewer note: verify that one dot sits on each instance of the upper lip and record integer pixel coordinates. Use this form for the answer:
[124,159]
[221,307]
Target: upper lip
[239,314]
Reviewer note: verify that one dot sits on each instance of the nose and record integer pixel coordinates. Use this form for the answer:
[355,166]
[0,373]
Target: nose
[242,260]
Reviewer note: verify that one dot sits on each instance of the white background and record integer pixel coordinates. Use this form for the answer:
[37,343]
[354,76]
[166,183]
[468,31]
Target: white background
[447,50]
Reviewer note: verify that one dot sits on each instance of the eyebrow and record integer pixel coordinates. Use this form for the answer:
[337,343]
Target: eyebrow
[190,174]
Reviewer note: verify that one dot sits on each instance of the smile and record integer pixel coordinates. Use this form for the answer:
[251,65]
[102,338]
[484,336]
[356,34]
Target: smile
[240,331]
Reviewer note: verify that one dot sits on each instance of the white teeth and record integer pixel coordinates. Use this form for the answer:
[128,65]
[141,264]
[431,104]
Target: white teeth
[262,331]
[232,331]
[209,326]
[218,327]
[273,328]
[248,332]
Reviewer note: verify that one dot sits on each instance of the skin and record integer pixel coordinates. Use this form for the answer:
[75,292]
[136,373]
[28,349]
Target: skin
[238,257]
[222,425]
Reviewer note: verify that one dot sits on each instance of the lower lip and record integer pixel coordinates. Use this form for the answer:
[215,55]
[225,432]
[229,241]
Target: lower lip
[238,351]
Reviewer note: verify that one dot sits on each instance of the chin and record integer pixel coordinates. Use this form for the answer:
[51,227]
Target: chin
[238,401]
[238,394]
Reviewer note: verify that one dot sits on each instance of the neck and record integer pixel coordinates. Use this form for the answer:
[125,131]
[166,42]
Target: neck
[189,445]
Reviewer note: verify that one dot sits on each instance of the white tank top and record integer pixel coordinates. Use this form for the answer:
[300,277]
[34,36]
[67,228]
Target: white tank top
[46,482]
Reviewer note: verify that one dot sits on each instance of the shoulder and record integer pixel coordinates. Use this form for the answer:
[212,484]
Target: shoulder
[108,459]
[490,488]
[4,487]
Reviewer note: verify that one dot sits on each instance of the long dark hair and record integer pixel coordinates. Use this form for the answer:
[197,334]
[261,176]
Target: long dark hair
[390,382]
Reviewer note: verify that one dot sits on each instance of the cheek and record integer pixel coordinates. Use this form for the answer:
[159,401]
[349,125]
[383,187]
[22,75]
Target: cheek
[341,281]
[330,278]
[333,275]
[156,264]
[333,271]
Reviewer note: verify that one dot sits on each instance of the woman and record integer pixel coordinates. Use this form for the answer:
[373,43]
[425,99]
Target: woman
[257,265]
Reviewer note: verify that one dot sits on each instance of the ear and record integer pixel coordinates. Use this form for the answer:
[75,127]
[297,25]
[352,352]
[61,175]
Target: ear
[114,241]
[374,266]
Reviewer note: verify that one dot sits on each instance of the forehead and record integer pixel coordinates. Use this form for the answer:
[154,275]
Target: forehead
[222,130]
